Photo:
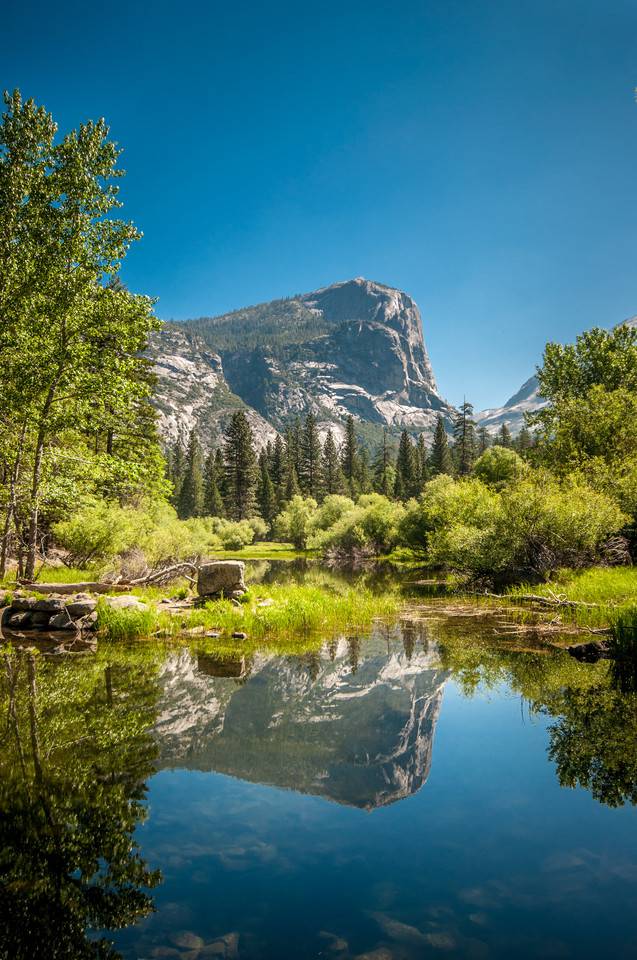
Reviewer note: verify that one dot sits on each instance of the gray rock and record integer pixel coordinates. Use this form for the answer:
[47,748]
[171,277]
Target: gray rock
[21,603]
[125,603]
[221,576]
[80,608]
[62,621]
[16,621]
[49,605]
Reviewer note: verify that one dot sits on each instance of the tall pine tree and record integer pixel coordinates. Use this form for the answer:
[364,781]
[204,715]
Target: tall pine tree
[240,468]
[483,441]
[191,495]
[383,467]
[504,438]
[266,495]
[350,461]
[440,460]
[333,481]
[404,485]
[310,458]
[465,439]
[212,498]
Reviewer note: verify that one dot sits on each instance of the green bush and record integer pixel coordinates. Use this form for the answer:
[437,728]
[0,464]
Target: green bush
[371,525]
[499,465]
[100,530]
[295,522]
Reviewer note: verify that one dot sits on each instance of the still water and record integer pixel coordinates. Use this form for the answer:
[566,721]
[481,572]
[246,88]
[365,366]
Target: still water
[427,790]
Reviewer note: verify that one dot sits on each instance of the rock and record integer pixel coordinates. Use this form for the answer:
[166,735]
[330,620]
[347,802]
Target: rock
[188,940]
[20,602]
[221,576]
[16,621]
[89,622]
[40,620]
[49,605]
[62,621]
[239,635]
[588,652]
[125,603]
[81,608]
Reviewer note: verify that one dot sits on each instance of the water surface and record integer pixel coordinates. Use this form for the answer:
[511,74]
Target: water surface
[414,792]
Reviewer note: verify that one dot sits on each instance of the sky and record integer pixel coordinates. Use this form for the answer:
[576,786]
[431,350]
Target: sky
[479,154]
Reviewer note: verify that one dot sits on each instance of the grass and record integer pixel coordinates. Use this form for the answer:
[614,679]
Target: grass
[291,612]
[611,588]
[623,641]
[265,550]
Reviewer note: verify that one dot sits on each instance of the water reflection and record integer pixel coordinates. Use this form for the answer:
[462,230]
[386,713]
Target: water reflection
[353,722]
[75,754]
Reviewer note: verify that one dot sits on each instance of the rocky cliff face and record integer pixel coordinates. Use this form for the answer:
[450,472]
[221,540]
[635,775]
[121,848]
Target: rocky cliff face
[352,348]
[361,736]
[192,391]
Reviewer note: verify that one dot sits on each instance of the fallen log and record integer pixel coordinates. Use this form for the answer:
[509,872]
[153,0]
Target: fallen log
[104,586]
[554,601]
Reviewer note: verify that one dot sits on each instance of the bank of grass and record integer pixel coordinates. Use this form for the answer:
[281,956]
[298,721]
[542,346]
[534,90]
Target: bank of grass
[264,550]
[611,589]
[276,613]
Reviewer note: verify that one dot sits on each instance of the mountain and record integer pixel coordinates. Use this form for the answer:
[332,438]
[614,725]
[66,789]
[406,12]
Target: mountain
[192,391]
[355,348]
[353,726]
[526,400]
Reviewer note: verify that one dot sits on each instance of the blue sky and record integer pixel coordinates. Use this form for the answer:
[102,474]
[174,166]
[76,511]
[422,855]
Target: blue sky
[479,154]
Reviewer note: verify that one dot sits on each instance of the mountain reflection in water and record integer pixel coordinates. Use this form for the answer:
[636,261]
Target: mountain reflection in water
[355,725]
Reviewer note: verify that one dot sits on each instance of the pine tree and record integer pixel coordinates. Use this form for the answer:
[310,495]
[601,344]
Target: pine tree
[405,468]
[212,499]
[422,464]
[384,474]
[278,470]
[178,465]
[465,441]
[240,468]
[483,441]
[364,472]
[333,481]
[266,495]
[310,458]
[504,438]
[440,460]
[191,495]
[350,462]
[292,488]
[293,446]
[524,440]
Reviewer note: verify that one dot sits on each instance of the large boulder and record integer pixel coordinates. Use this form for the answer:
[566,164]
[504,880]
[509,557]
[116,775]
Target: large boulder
[221,577]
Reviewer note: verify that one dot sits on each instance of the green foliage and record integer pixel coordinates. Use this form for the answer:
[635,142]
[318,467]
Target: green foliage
[241,468]
[440,460]
[369,526]
[295,522]
[623,642]
[498,465]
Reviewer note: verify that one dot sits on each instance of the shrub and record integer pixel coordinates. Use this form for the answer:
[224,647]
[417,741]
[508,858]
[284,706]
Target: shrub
[499,465]
[100,530]
[371,525]
[295,522]
[331,510]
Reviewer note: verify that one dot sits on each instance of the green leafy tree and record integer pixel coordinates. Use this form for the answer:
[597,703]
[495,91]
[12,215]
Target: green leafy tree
[240,468]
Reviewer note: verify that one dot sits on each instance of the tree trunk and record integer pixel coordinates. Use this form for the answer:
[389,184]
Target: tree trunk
[32,539]
[8,521]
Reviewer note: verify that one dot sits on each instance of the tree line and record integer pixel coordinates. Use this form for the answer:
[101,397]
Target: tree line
[237,482]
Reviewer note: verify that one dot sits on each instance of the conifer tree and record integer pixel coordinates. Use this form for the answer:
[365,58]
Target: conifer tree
[293,446]
[278,472]
[364,472]
[191,495]
[333,481]
[178,466]
[310,458]
[465,442]
[384,474]
[213,500]
[422,465]
[405,468]
[440,460]
[350,463]
[292,488]
[504,438]
[483,441]
[240,468]
[524,440]
[266,495]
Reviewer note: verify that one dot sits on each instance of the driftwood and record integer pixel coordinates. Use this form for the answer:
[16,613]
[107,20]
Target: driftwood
[103,586]
[556,600]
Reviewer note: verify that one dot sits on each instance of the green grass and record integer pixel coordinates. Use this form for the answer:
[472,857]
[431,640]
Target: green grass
[611,588]
[61,574]
[623,641]
[296,612]
[265,550]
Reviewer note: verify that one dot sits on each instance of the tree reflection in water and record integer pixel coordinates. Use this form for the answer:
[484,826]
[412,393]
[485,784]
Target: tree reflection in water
[75,754]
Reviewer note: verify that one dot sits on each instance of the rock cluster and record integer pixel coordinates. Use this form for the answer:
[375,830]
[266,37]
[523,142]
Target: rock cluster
[222,578]
[75,613]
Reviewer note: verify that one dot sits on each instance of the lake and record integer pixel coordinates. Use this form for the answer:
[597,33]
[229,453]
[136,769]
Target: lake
[438,787]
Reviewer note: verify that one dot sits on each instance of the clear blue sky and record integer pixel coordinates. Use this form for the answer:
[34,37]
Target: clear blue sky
[481,155]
